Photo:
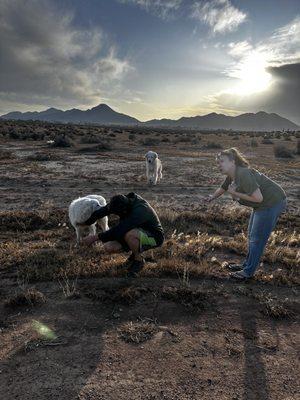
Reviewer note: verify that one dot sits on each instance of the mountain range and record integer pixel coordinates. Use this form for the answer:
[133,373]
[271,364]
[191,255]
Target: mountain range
[103,114]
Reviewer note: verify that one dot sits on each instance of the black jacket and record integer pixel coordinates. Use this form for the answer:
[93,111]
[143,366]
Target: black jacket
[140,215]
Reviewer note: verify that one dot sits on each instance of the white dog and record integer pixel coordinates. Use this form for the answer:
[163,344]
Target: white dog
[153,168]
[80,211]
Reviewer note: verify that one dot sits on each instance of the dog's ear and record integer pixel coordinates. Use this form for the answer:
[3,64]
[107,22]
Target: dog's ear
[156,155]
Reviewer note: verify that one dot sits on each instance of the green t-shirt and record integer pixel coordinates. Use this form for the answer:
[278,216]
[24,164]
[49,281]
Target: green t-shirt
[248,180]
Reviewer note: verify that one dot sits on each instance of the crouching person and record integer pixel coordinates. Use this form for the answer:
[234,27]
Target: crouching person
[139,229]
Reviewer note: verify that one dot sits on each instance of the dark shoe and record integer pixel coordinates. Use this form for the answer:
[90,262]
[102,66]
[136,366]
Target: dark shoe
[126,264]
[240,276]
[129,260]
[235,267]
[135,268]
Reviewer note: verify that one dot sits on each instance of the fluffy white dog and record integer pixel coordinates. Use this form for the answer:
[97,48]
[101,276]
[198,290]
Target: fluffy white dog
[81,209]
[153,168]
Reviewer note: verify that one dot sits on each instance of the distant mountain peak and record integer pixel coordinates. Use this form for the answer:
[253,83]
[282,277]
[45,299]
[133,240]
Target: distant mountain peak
[103,114]
[102,107]
[260,121]
[51,109]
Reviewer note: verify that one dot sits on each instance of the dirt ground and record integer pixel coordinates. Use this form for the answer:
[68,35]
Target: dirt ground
[72,326]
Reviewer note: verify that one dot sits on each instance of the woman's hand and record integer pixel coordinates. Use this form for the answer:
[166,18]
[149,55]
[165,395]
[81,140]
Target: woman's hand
[232,189]
[89,240]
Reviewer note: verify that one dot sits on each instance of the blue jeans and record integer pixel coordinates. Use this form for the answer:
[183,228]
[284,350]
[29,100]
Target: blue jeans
[261,225]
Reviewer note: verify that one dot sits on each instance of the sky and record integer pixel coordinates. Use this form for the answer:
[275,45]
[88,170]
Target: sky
[151,58]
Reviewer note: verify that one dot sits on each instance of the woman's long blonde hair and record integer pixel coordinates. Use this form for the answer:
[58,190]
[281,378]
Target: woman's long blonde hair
[234,155]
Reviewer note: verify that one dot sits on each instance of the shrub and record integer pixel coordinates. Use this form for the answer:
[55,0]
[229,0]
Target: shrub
[253,143]
[267,141]
[29,297]
[212,145]
[90,139]
[62,141]
[137,332]
[6,154]
[150,141]
[102,146]
[280,151]
[131,136]
[42,157]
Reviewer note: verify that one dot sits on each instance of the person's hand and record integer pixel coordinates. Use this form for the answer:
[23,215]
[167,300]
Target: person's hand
[232,189]
[208,198]
[89,240]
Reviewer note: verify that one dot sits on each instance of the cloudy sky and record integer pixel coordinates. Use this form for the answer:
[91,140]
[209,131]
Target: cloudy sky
[151,58]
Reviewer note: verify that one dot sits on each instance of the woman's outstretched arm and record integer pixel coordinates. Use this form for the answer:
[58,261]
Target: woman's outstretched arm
[219,192]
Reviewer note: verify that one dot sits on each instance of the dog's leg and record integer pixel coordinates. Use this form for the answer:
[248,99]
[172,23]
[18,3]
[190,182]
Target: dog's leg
[155,174]
[148,174]
[151,174]
[103,222]
[92,229]
[78,235]
[160,173]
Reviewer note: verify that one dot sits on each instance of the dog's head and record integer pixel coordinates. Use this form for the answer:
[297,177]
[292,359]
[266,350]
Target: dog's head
[82,208]
[151,156]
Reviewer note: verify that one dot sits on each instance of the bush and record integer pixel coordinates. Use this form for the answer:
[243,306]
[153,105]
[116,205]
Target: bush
[253,143]
[6,155]
[267,141]
[90,139]
[102,146]
[62,141]
[280,151]
[150,141]
[42,157]
[29,297]
[212,145]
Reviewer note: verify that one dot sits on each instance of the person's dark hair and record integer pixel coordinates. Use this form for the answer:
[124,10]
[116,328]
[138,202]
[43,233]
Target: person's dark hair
[234,155]
[119,204]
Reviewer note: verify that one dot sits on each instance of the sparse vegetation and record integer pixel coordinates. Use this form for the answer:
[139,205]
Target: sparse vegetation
[267,140]
[212,146]
[137,332]
[29,297]
[62,141]
[281,151]
[182,309]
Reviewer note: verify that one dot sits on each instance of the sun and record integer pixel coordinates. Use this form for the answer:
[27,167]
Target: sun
[252,73]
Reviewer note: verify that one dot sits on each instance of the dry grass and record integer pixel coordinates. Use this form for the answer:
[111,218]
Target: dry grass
[40,245]
[271,305]
[29,297]
[275,308]
[137,332]
[191,298]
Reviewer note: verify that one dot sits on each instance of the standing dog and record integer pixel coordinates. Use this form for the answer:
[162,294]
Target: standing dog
[153,168]
[81,209]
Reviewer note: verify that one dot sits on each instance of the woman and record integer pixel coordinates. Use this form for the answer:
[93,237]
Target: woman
[253,189]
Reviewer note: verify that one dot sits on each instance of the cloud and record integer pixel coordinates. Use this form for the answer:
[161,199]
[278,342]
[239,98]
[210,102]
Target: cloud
[282,96]
[220,15]
[46,60]
[264,75]
[239,49]
[161,8]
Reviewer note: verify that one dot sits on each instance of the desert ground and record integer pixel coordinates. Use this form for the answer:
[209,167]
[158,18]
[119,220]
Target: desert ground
[73,327]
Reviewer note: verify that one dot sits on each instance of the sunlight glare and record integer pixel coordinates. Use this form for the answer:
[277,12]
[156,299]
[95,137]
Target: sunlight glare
[252,74]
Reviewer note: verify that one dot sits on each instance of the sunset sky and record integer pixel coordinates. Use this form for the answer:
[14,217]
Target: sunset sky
[151,58]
